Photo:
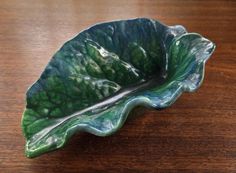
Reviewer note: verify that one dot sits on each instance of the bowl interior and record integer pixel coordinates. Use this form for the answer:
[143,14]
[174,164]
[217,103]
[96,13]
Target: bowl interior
[99,63]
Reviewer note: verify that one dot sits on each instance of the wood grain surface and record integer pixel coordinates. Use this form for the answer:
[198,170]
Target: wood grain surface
[196,134]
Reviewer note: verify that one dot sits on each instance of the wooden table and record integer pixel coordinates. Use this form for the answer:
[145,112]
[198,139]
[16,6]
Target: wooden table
[197,134]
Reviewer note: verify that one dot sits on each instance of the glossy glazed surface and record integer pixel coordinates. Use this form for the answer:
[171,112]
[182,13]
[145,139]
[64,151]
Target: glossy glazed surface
[95,79]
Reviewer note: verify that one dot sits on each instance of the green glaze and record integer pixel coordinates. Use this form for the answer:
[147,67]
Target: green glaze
[98,77]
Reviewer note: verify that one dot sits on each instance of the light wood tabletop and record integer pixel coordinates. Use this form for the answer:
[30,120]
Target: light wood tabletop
[196,134]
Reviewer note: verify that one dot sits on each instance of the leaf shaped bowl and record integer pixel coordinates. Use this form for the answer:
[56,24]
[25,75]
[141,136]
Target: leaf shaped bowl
[94,80]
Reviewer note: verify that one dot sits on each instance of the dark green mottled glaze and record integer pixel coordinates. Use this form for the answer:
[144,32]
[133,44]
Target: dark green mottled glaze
[95,79]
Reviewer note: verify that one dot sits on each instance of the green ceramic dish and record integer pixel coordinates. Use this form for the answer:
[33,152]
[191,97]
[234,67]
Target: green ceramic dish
[95,80]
